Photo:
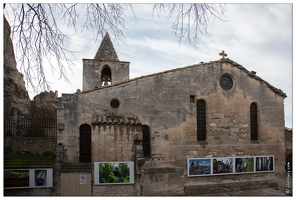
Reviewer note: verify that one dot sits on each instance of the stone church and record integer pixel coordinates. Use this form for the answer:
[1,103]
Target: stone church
[165,126]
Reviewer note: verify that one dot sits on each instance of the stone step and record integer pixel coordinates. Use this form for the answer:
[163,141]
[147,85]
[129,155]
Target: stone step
[77,167]
[193,190]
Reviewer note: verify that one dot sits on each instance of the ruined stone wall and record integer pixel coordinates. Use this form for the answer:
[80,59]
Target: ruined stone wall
[45,99]
[32,145]
[16,98]
[164,102]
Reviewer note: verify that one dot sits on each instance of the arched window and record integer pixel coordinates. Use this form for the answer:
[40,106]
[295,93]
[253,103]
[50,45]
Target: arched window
[254,121]
[85,143]
[106,77]
[146,141]
[201,120]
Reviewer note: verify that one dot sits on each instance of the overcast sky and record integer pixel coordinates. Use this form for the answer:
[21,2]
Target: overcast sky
[257,36]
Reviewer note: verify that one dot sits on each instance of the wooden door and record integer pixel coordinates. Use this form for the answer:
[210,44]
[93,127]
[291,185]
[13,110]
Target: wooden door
[75,184]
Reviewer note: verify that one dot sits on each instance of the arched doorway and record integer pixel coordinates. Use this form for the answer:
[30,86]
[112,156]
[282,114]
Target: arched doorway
[85,143]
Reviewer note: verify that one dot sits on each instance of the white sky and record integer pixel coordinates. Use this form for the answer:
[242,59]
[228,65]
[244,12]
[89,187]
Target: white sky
[257,36]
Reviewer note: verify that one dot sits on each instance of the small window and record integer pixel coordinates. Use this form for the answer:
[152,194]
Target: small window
[254,121]
[192,98]
[114,103]
[226,82]
[201,120]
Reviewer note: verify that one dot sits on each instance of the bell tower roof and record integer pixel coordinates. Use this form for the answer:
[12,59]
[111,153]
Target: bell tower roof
[106,50]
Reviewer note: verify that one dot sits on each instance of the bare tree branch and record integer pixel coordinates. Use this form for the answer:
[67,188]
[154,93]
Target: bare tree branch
[103,17]
[71,14]
[190,23]
[39,41]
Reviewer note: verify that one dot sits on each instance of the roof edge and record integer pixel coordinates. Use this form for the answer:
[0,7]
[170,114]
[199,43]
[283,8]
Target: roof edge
[253,75]
[223,60]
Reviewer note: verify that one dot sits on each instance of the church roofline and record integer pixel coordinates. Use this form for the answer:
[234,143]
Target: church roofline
[222,60]
[253,75]
[105,60]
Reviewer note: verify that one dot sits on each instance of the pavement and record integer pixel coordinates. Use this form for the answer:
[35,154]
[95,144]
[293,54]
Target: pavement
[256,192]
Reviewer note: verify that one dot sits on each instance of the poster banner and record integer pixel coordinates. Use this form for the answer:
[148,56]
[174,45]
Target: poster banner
[244,164]
[114,172]
[27,178]
[264,163]
[199,166]
[223,165]
[229,165]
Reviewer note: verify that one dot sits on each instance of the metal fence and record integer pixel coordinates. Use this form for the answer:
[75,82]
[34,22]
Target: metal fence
[30,127]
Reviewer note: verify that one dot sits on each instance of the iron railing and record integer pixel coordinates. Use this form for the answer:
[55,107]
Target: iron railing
[30,127]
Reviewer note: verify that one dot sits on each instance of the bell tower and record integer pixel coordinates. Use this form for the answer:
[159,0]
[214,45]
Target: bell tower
[105,69]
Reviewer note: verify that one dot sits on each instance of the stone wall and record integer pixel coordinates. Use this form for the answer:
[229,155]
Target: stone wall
[163,181]
[166,102]
[29,192]
[221,188]
[32,145]
[114,142]
[116,190]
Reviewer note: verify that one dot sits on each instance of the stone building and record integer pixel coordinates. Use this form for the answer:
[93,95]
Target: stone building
[289,145]
[289,140]
[208,110]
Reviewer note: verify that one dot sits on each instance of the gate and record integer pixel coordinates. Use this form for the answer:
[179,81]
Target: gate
[30,127]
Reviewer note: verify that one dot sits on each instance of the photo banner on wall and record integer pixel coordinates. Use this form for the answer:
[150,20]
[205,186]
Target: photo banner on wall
[264,163]
[244,165]
[28,178]
[229,165]
[223,165]
[199,166]
[114,172]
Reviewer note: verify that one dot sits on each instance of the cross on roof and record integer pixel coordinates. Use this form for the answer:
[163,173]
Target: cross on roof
[222,54]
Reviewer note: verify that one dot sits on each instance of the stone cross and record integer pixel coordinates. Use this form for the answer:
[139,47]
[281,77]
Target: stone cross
[222,54]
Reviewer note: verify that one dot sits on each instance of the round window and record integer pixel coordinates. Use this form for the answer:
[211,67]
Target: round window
[114,103]
[226,82]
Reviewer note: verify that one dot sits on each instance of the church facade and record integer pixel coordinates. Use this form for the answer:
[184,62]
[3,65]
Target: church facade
[186,131]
